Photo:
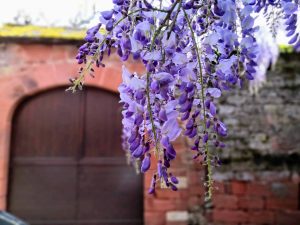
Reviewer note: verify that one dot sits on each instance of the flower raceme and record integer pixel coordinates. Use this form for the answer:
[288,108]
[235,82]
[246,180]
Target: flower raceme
[193,52]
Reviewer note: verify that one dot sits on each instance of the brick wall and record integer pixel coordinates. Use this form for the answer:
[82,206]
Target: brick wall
[260,176]
[258,182]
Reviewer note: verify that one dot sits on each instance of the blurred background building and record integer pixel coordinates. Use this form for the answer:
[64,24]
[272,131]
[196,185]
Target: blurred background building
[60,154]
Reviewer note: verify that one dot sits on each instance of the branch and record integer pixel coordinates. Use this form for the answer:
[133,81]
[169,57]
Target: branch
[79,81]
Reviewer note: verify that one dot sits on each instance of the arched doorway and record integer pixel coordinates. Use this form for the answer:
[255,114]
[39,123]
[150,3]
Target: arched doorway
[67,166]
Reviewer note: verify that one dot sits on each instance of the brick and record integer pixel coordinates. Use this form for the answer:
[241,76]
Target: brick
[209,216]
[36,53]
[282,203]
[230,216]
[113,81]
[163,205]
[47,76]
[61,54]
[195,201]
[285,189]
[179,161]
[273,176]
[3,187]
[220,187]
[169,194]
[133,65]
[177,216]
[4,145]
[3,205]
[180,144]
[63,71]
[177,223]
[197,190]
[183,182]
[287,217]
[223,176]
[250,202]
[238,187]
[70,52]
[195,178]
[147,180]
[262,217]
[258,189]
[247,224]
[221,201]
[154,218]
[4,168]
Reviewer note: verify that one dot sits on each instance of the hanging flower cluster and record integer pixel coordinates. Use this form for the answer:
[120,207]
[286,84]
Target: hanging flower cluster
[193,51]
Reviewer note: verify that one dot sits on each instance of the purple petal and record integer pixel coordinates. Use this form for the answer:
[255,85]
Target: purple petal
[205,138]
[174,180]
[110,25]
[214,92]
[182,98]
[154,55]
[107,15]
[138,152]
[293,39]
[165,141]
[249,76]
[190,124]
[146,163]
[193,133]
[171,153]
[163,115]
[171,129]
[138,119]
[290,7]
[134,145]
[212,109]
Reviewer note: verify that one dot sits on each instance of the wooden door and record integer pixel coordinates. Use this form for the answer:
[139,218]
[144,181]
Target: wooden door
[67,166]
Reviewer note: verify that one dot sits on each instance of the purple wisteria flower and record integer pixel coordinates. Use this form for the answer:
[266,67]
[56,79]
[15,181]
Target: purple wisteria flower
[193,52]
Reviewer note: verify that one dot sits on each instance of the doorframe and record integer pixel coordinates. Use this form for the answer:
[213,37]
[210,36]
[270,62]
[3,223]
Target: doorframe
[14,89]
[101,162]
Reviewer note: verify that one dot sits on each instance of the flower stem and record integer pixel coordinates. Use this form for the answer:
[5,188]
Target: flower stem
[79,81]
[208,176]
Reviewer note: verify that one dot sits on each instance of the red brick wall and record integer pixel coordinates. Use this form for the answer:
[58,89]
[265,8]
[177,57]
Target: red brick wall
[247,191]
[259,181]
[257,202]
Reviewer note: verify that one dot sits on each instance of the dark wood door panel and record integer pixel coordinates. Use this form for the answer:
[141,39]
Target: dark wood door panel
[50,124]
[43,192]
[88,222]
[102,124]
[111,193]
[67,166]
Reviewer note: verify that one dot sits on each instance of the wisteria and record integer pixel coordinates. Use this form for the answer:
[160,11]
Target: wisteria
[193,52]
